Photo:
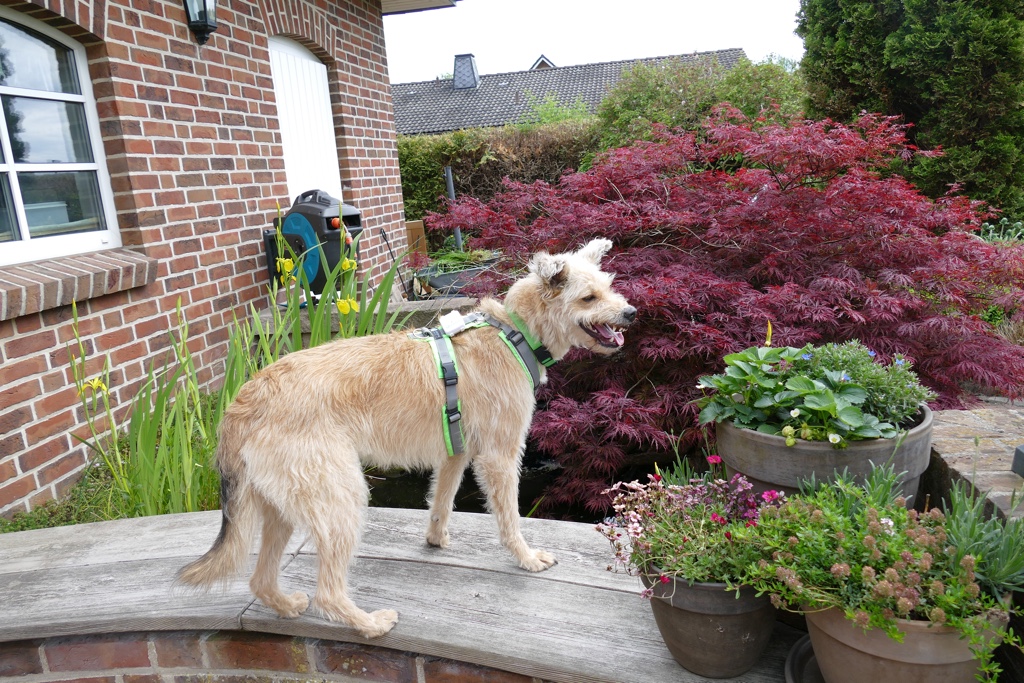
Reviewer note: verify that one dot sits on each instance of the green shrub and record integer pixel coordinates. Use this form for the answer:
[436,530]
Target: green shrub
[482,157]
[681,94]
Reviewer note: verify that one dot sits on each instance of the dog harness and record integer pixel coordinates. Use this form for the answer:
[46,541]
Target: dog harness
[525,347]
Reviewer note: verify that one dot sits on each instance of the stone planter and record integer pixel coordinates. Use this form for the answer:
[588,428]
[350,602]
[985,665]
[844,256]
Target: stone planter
[845,653]
[451,283]
[769,463]
[708,630]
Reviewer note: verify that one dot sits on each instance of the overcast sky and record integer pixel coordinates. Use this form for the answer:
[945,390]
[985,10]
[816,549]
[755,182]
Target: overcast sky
[509,35]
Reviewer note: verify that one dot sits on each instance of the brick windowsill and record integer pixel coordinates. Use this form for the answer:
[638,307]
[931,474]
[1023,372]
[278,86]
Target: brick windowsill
[34,287]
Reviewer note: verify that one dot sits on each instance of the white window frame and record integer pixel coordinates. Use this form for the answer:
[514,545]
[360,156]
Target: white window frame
[30,249]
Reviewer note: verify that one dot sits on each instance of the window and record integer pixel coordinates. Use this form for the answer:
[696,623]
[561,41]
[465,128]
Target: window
[55,196]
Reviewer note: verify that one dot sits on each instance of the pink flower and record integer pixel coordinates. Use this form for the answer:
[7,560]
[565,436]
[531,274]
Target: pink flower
[664,579]
[714,459]
[770,496]
[715,517]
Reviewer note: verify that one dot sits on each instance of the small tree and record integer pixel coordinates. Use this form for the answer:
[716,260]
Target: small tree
[681,94]
[719,231]
[953,69]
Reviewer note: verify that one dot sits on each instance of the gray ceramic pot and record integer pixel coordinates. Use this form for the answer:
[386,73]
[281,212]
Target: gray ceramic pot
[769,463]
[709,630]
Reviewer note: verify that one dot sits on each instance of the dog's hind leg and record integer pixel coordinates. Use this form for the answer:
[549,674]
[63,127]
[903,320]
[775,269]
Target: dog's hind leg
[500,480]
[334,507]
[264,583]
[443,488]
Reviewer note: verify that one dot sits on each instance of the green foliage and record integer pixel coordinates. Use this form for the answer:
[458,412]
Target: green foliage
[997,545]
[859,549]
[550,109]
[451,261]
[834,392]
[954,70]
[1003,231]
[681,94]
[86,502]
[481,158]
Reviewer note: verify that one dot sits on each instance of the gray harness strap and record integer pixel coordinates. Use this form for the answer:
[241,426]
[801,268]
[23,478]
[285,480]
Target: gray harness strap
[444,355]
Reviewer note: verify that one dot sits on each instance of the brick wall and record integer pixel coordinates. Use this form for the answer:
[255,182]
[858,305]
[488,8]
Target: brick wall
[194,154]
[227,657]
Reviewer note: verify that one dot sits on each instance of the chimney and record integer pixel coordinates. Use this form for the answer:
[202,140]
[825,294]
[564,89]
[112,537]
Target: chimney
[465,75]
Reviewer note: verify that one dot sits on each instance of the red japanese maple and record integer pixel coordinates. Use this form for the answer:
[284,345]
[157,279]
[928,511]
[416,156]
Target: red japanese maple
[721,230]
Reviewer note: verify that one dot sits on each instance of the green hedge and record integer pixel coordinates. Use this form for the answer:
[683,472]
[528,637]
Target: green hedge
[482,157]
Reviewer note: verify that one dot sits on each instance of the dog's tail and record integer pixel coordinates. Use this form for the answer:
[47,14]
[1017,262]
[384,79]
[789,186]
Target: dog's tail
[229,551]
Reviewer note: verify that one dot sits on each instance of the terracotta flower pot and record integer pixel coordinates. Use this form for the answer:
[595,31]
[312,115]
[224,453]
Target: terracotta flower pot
[845,653]
[708,630]
[768,463]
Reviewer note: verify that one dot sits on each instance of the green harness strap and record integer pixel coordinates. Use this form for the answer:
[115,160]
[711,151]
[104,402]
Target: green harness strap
[527,350]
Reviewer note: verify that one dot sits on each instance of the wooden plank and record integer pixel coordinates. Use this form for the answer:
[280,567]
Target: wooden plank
[516,622]
[111,598]
[184,536]
[583,554]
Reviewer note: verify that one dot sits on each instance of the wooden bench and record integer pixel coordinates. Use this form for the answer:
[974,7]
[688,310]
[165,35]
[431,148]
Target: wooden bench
[470,603]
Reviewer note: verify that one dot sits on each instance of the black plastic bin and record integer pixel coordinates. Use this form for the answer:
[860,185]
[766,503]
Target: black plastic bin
[314,222]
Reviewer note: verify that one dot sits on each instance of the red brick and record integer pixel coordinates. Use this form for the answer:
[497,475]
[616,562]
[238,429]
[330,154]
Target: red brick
[7,470]
[97,653]
[48,452]
[363,662]
[448,671]
[60,467]
[16,490]
[33,343]
[20,368]
[20,658]
[232,650]
[175,649]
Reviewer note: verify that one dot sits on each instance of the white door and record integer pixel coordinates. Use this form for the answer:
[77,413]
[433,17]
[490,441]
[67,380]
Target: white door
[307,124]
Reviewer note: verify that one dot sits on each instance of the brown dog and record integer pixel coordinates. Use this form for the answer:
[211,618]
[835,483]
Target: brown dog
[293,444]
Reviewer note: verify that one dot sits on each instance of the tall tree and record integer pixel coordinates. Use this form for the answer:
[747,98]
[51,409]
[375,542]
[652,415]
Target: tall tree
[952,68]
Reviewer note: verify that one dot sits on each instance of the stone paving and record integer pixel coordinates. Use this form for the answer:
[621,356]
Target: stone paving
[978,444]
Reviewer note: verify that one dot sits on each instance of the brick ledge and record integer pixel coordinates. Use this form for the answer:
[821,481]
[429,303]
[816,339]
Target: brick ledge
[34,287]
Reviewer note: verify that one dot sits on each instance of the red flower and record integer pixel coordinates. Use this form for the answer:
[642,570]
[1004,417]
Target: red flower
[664,579]
[728,536]
[656,477]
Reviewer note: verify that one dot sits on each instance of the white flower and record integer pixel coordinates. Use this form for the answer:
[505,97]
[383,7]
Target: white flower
[795,412]
[888,524]
[834,438]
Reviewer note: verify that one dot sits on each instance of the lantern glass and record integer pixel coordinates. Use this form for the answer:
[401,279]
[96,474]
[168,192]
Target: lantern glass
[202,18]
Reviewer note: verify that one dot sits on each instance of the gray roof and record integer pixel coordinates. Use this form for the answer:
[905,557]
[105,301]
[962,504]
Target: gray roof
[435,107]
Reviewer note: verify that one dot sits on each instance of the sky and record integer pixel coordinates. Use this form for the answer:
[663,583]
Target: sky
[509,35]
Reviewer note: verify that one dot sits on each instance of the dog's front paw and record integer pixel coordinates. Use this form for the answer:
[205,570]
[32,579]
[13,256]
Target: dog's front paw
[437,537]
[378,623]
[537,561]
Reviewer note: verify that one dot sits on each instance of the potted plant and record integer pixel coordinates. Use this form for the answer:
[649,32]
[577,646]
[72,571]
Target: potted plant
[889,593]
[449,270]
[784,414]
[692,542]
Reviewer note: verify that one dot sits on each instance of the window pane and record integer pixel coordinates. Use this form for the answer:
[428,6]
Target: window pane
[46,132]
[30,60]
[61,203]
[8,223]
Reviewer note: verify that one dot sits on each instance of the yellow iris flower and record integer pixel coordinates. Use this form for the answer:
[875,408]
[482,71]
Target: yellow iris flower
[346,306]
[95,385]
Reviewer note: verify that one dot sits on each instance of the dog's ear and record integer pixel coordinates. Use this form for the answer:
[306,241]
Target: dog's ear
[594,250]
[552,270]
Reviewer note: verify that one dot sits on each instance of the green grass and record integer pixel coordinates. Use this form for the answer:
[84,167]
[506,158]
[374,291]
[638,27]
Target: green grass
[87,501]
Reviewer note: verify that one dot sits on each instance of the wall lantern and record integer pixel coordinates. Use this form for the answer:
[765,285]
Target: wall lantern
[202,18]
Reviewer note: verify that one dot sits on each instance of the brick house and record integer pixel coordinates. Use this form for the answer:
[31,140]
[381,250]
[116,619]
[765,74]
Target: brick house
[138,168]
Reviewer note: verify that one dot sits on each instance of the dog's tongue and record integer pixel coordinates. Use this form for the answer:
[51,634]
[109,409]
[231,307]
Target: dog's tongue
[612,335]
